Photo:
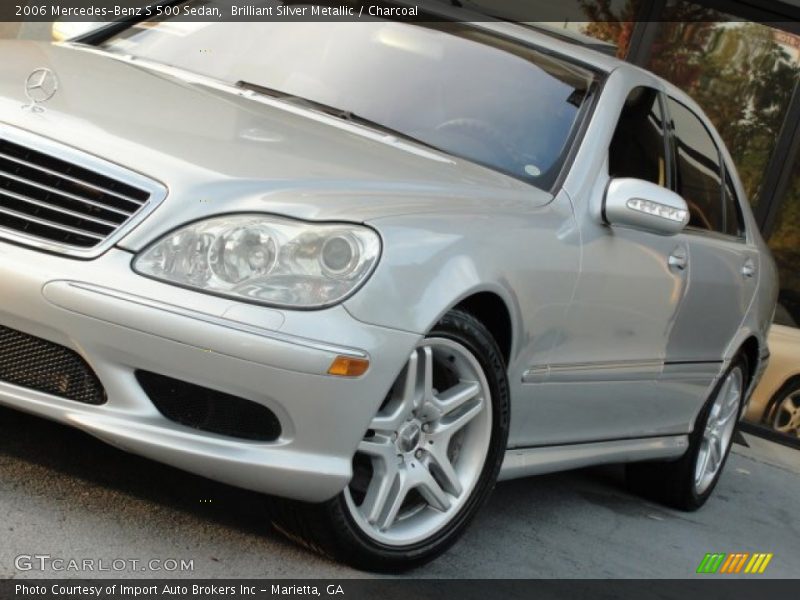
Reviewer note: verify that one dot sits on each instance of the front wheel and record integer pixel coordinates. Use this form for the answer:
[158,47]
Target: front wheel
[426,464]
[688,482]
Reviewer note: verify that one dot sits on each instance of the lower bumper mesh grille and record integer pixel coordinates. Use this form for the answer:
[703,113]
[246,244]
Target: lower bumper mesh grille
[43,366]
[209,410]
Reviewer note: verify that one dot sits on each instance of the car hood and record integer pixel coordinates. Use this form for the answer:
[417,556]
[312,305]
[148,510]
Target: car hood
[221,151]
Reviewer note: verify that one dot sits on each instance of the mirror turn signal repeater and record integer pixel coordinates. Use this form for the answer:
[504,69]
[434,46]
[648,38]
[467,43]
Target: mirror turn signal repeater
[348,366]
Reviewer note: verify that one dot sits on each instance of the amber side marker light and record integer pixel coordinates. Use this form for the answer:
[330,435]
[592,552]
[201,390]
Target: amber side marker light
[347,366]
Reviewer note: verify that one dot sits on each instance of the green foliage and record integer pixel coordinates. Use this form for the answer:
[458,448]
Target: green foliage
[611,21]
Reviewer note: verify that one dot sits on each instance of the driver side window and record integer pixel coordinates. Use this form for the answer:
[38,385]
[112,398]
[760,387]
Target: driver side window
[638,148]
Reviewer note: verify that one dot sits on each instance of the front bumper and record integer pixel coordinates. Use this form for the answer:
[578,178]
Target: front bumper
[120,322]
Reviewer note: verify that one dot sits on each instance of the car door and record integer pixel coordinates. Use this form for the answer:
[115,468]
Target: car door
[721,265]
[602,377]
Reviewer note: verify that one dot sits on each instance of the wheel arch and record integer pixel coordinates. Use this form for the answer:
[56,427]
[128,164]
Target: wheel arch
[750,343]
[491,310]
[751,350]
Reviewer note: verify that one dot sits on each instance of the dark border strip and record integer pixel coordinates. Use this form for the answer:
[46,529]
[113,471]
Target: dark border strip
[707,587]
[779,13]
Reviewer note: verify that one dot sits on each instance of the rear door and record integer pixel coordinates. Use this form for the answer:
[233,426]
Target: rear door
[721,265]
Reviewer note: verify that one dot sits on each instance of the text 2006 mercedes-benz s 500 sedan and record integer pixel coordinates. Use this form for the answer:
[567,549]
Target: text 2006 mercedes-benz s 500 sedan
[369,268]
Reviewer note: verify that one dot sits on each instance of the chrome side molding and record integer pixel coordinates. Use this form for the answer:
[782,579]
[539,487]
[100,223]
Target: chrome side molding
[598,371]
[638,370]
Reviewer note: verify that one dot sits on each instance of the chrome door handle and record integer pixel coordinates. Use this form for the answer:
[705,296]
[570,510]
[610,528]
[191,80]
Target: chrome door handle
[678,259]
[749,268]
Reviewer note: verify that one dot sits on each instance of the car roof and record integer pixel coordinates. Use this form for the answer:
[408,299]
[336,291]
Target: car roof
[573,36]
[571,47]
[568,46]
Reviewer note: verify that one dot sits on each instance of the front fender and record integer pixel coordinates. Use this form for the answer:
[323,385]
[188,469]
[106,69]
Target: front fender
[432,262]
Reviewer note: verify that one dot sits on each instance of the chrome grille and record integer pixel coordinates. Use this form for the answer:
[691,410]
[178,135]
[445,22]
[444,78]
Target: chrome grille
[65,201]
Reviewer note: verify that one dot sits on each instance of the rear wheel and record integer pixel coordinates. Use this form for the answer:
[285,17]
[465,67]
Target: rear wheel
[426,464]
[688,482]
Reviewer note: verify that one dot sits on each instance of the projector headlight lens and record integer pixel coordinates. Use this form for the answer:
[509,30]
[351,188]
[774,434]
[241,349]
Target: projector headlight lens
[265,259]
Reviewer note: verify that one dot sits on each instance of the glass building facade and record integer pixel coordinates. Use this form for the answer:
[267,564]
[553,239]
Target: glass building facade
[741,62]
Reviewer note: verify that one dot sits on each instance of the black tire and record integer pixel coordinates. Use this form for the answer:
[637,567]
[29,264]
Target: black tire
[673,483]
[329,529]
[790,387]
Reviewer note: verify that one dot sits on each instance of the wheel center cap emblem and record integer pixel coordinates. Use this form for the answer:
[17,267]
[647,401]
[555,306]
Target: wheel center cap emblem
[40,86]
[408,437]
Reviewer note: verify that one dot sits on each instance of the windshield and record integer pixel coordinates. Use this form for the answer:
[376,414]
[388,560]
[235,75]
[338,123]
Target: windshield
[452,86]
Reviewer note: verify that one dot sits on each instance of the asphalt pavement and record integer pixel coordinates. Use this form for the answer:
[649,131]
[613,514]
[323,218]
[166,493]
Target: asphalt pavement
[68,496]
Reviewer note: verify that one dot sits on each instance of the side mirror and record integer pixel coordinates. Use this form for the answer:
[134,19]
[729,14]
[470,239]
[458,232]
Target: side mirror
[643,205]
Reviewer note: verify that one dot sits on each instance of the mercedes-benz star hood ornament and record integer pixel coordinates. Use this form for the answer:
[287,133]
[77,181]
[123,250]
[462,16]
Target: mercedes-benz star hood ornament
[40,86]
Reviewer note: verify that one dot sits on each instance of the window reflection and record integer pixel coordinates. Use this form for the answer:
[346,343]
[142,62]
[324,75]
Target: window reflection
[456,72]
[741,73]
[698,169]
[785,244]
[609,22]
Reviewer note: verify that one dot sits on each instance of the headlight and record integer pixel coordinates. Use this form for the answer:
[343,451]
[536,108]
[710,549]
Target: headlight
[265,259]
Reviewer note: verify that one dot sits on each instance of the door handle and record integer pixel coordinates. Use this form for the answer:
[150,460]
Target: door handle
[678,259]
[749,268]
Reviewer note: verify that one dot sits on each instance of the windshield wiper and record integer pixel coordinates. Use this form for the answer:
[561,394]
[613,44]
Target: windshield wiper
[339,113]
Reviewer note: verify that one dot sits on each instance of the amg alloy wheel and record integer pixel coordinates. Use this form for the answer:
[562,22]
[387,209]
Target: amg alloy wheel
[689,481]
[425,450]
[718,431]
[427,463]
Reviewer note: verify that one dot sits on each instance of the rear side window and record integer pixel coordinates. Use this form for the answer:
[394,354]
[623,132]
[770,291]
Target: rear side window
[698,169]
[734,220]
[638,148]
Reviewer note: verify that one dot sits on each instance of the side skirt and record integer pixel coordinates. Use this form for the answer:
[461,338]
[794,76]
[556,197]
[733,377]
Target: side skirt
[522,462]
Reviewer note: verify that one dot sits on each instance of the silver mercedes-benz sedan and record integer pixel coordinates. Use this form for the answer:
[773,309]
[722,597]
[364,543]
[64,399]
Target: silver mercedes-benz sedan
[370,268]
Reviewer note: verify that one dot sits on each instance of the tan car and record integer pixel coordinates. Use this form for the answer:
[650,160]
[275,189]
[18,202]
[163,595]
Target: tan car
[776,401]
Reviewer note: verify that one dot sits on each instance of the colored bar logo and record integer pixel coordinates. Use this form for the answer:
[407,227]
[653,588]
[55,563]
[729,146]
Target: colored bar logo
[739,562]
